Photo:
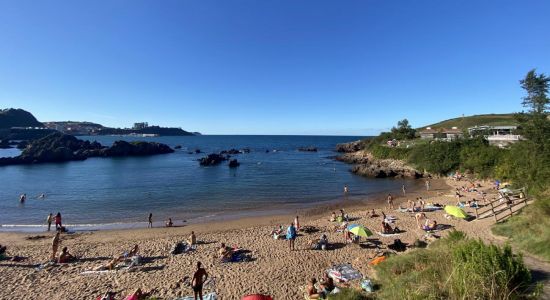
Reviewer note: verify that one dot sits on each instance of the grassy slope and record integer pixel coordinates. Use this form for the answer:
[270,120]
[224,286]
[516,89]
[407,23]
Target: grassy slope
[470,121]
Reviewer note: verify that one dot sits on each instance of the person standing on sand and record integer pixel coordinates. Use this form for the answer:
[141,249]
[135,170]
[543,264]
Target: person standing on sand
[55,244]
[291,236]
[390,201]
[150,221]
[58,221]
[427,185]
[404,190]
[199,278]
[49,219]
[297,223]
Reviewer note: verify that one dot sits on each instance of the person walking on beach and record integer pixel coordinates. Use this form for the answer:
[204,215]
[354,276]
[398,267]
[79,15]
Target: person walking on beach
[150,221]
[404,190]
[390,201]
[49,219]
[58,221]
[291,235]
[199,278]
[427,185]
[55,244]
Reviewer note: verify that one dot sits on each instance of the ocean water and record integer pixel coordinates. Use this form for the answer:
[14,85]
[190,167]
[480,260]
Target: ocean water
[121,192]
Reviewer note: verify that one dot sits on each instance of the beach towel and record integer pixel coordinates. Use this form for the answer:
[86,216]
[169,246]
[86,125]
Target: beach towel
[432,208]
[209,296]
[92,272]
[387,234]
[377,260]
[344,273]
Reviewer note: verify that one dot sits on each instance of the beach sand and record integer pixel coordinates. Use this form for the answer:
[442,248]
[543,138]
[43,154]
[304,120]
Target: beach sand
[274,270]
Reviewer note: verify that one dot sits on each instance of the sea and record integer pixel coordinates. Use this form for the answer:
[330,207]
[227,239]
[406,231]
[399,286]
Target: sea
[104,193]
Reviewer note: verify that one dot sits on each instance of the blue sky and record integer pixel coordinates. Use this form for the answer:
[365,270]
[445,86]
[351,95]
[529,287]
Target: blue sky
[269,67]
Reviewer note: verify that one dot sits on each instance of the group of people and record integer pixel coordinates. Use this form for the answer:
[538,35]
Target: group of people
[320,290]
[57,219]
[424,223]
[23,197]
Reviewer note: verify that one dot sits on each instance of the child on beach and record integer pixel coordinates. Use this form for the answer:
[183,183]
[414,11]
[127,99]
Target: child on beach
[390,201]
[55,244]
[291,236]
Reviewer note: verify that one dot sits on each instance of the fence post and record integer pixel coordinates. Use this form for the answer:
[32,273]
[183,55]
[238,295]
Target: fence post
[493,210]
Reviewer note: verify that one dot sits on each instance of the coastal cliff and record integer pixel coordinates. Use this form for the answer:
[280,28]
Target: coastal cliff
[59,147]
[365,164]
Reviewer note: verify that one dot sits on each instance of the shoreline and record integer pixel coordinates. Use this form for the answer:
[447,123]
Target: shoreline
[352,202]
[273,270]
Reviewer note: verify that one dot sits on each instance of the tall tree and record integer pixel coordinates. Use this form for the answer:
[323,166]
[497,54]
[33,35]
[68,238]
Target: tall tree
[536,86]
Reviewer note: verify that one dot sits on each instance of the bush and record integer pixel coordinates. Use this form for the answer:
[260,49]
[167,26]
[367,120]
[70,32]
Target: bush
[437,157]
[454,268]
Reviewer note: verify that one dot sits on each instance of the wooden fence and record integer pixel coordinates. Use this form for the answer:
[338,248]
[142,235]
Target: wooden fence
[504,206]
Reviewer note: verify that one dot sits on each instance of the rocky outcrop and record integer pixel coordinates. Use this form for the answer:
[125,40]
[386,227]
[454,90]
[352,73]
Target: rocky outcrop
[366,165]
[123,148]
[17,118]
[349,147]
[233,163]
[307,149]
[212,159]
[59,147]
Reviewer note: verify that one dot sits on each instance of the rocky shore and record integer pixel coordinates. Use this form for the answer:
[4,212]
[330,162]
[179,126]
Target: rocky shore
[365,164]
[59,147]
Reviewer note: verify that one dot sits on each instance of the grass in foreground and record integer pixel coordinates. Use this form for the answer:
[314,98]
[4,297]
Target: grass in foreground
[454,268]
[530,230]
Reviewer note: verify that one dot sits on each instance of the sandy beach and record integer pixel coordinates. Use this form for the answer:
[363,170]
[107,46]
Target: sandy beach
[273,269]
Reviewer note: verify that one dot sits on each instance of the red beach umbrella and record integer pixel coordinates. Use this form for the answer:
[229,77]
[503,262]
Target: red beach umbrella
[256,297]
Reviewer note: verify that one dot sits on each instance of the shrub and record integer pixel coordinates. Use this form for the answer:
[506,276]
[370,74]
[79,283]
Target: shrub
[454,268]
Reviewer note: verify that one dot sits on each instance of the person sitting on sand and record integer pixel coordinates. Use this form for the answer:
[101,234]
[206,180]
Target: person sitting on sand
[320,244]
[225,253]
[421,203]
[55,244]
[327,284]
[278,233]
[372,214]
[312,292]
[169,223]
[419,218]
[126,255]
[333,217]
[192,239]
[429,225]
[65,256]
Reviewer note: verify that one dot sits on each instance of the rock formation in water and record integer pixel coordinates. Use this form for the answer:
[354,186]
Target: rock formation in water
[212,159]
[233,163]
[307,149]
[59,147]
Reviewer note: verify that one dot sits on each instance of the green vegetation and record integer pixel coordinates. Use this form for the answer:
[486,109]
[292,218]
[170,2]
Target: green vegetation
[477,120]
[454,268]
[528,164]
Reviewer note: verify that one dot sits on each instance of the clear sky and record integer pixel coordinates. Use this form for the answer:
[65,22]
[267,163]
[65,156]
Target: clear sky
[269,67]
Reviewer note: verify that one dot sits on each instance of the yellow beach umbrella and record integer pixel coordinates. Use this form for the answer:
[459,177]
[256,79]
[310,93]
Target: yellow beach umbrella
[455,211]
[360,231]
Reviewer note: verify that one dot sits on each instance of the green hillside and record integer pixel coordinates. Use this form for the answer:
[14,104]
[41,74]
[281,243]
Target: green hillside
[476,120]
[17,118]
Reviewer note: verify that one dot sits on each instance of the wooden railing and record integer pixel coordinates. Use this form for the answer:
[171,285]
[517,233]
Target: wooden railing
[503,206]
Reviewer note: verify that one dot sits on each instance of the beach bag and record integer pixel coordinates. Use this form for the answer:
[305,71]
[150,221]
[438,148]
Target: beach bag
[366,285]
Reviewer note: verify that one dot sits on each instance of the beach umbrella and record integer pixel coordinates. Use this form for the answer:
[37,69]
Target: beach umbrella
[455,211]
[350,226]
[257,297]
[360,231]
